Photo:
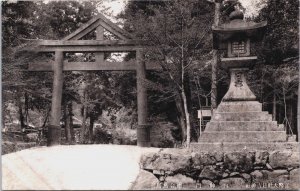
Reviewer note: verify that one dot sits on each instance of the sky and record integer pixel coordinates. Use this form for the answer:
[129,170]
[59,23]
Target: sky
[116,5]
[252,6]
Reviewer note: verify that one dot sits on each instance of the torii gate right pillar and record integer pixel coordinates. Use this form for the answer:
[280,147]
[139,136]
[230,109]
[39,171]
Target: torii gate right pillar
[143,130]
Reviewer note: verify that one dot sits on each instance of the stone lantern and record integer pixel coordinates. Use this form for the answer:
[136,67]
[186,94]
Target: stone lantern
[239,123]
[236,40]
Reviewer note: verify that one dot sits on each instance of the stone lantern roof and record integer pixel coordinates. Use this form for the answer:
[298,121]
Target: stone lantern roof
[236,26]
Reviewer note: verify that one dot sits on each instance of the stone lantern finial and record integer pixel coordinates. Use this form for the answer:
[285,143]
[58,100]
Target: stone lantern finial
[236,14]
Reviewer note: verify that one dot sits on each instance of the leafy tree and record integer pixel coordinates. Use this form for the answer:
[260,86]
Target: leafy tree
[63,17]
[16,25]
[275,77]
[37,20]
[281,39]
[178,35]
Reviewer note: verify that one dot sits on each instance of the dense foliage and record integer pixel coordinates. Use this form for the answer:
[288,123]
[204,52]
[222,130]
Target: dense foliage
[276,77]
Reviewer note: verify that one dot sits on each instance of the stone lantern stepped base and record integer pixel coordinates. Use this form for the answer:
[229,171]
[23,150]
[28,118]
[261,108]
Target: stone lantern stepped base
[243,136]
[242,121]
[243,126]
[242,116]
[240,106]
[245,146]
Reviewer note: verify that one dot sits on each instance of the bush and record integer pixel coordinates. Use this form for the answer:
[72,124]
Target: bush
[102,136]
[7,147]
[161,134]
[10,147]
[125,136]
[120,136]
[12,137]
[31,137]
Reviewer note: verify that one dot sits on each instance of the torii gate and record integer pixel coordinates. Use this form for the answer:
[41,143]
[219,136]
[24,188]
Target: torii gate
[72,43]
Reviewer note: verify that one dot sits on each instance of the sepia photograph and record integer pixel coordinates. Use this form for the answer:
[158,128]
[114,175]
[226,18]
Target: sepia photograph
[150,95]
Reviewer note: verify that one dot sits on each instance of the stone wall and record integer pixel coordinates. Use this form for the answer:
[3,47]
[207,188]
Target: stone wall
[183,169]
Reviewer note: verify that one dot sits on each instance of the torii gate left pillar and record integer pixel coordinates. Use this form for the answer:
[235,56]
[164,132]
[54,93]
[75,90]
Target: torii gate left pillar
[54,129]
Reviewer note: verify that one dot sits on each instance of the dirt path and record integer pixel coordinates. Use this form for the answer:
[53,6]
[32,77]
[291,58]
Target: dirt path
[85,167]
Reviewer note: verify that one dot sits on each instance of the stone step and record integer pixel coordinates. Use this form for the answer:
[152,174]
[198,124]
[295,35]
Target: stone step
[239,106]
[242,116]
[244,146]
[243,126]
[243,136]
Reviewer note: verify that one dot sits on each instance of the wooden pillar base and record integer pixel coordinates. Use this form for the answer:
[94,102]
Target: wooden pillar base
[143,135]
[53,135]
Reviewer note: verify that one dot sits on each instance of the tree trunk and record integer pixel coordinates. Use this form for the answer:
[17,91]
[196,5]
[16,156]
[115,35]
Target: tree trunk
[68,122]
[91,127]
[290,117]
[21,116]
[280,115]
[70,112]
[3,114]
[65,118]
[84,129]
[215,60]
[26,109]
[214,80]
[298,109]
[274,107]
[187,119]
[285,111]
[46,118]
[181,118]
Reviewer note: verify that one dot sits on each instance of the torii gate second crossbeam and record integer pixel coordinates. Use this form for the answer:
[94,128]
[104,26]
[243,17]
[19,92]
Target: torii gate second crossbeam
[72,43]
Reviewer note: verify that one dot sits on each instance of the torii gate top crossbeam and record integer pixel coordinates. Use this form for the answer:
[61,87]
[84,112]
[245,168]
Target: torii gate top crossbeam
[73,44]
[93,23]
[89,45]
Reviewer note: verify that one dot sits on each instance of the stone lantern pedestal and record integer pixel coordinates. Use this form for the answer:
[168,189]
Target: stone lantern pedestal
[238,88]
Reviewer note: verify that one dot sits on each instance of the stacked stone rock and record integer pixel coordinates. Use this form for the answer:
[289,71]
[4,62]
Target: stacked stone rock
[183,169]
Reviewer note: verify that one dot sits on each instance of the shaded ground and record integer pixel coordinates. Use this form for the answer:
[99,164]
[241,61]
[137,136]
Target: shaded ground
[15,141]
[87,167]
